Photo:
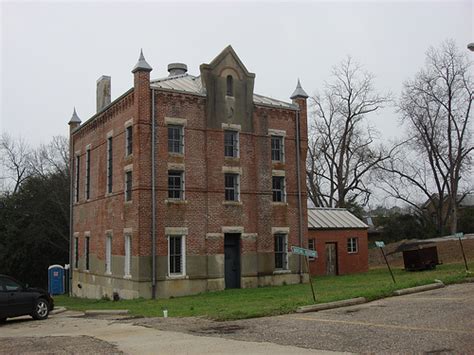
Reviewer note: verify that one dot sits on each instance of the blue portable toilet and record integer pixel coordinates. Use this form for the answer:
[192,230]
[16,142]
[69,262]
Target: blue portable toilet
[56,280]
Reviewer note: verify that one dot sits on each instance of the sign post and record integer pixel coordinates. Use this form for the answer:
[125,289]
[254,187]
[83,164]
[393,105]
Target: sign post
[306,253]
[460,236]
[380,245]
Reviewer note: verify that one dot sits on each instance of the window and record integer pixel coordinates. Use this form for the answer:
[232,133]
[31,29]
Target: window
[108,254]
[277,148]
[10,285]
[109,164]
[129,140]
[231,144]
[86,250]
[88,174]
[76,190]
[278,188]
[176,255]
[352,245]
[175,185]
[311,246]
[232,187]
[281,261]
[76,252]
[175,139]
[128,254]
[128,186]
[230,85]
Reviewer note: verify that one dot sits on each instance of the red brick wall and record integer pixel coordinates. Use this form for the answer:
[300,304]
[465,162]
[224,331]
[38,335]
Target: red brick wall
[348,263]
[204,211]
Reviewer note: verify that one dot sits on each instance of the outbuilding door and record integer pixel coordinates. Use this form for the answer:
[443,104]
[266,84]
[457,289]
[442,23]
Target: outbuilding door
[331,258]
[232,260]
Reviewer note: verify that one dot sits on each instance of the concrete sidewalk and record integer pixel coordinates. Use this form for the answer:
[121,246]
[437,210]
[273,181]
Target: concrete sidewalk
[133,339]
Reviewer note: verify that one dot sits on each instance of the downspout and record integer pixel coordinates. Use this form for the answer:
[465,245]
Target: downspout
[153,199]
[298,176]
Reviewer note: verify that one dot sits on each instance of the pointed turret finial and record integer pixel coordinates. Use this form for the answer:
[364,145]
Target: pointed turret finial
[142,64]
[299,92]
[75,118]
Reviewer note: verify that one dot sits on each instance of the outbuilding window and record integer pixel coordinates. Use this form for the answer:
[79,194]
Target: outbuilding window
[311,246]
[352,245]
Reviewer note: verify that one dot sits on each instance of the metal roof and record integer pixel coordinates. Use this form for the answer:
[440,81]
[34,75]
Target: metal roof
[333,218]
[187,83]
[299,92]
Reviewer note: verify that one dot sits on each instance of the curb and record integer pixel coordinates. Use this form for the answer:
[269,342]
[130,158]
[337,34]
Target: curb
[58,310]
[407,291]
[330,305]
[103,312]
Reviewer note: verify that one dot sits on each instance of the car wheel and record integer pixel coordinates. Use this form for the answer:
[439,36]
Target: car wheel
[41,310]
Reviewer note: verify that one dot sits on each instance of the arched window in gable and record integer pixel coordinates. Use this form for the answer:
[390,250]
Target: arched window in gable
[230,85]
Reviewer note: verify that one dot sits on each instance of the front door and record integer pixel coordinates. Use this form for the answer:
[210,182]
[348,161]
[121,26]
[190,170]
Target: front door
[331,258]
[232,260]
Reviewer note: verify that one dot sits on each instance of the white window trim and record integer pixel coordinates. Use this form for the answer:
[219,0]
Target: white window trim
[87,235]
[356,239]
[182,274]
[282,270]
[108,253]
[282,147]
[180,168]
[311,258]
[283,200]
[128,124]
[87,173]
[183,145]
[76,251]
[237,131]
[77,168]
[126,169]
[128,258]
[109,135]
[233,172]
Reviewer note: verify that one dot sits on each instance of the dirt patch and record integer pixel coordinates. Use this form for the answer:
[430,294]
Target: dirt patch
[56,345]
[448,252]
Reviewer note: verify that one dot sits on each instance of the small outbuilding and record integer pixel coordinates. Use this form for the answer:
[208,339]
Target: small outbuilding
[340,239]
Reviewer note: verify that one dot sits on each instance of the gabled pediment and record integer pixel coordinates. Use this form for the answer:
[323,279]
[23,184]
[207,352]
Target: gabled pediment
[227,59]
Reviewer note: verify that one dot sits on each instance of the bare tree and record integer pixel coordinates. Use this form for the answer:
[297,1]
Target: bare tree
[341,152]
[435,161]
[14,161]
[51,158]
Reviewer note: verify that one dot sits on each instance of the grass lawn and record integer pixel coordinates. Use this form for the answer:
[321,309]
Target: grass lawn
[267,301]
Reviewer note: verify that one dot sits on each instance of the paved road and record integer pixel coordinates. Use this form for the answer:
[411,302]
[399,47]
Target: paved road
[71,333]
[438,321]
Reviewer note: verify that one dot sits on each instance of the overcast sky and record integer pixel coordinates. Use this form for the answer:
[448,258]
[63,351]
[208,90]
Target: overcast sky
[53,52]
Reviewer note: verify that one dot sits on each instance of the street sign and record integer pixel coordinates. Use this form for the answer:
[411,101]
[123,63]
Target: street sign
[459,235]
[305,252]
[380,244]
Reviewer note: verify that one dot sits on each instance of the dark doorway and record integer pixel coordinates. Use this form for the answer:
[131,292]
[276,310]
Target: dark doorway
[331,258]
[232,260]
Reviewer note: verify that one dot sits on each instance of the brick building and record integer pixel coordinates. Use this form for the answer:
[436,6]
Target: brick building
[340,239]
[188,184]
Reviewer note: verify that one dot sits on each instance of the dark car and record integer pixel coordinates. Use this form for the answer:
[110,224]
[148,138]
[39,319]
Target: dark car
[17,299]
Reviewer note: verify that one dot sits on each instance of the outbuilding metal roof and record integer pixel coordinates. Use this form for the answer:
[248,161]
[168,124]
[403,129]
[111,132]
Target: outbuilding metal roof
[333,218]
[192,84]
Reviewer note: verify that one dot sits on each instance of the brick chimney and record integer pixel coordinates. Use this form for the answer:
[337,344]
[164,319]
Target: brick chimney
[103,92]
